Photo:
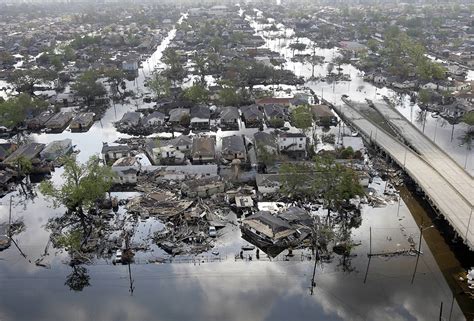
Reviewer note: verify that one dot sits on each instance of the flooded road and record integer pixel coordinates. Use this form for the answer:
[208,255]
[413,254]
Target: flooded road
[346,288]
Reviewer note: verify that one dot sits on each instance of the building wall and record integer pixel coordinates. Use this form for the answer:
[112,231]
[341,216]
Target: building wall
[296,143]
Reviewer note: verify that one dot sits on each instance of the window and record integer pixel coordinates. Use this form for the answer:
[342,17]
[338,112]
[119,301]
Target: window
[301,139]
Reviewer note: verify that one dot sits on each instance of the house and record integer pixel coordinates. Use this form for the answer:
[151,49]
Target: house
[323,116]
[172,151]
[200,116]
[233,147]
[112,153]
[154,119]
[273,101]
[125,176]
[126,170]
[275,115]
[268,183]
[251,116]
[6,149]
[65,99]
[130,65]
[292,144]
[130,119]
[56,149]
[229,118]
[265,224]
[203,187]
[179,116]
[203,150]
[29,151]
[39,121]
[82,122]
[59,121]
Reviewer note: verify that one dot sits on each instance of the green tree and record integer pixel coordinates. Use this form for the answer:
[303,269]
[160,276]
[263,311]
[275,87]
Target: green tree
[116,78]
[196,94]
[25,81]
[14,110]
[302,118]
[200,66]
[24,166]
[175,71]
[160,86]
[229,96]
[264,156]
[88,87]
[424,96]
[83,186]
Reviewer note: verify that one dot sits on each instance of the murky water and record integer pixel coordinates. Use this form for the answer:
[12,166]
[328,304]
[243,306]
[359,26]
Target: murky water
[440,131]
[347,288]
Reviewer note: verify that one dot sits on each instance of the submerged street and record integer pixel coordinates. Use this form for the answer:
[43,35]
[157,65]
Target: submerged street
[400,259]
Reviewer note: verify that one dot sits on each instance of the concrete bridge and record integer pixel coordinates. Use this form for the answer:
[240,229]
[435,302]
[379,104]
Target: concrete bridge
[448,187]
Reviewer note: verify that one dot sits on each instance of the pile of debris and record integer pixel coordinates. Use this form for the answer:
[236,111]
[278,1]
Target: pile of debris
[190,220]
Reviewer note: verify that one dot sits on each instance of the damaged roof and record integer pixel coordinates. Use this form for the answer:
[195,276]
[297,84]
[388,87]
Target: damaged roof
[233,144]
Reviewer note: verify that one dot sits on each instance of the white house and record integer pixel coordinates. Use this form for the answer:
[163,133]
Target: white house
[115,152]
[170,151]
[126,169]
[130,65]
[292,143]
[154,119]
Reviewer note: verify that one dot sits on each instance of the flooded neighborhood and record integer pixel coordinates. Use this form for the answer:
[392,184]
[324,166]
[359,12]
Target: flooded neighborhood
[236,160]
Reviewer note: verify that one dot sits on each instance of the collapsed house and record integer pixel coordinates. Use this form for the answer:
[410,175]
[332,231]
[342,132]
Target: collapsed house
[203,187]
[275,233]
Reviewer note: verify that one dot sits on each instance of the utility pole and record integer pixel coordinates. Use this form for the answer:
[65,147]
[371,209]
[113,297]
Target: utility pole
[315,242]
[369,255]
[10,219]
[441,311]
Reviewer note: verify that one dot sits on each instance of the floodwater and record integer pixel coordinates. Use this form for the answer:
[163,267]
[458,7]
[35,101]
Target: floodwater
[440,131]
[346,288]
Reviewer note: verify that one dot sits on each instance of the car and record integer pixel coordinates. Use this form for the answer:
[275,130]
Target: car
[118,256]
[212,231]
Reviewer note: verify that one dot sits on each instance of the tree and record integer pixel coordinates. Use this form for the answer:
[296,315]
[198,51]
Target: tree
[337,183]
[330,68]
[298,46]
[14,110]
[424,96]
[116,78]
[84,185]
[468,119]
[175,70]
[324,178]
[302,118]
[229,96]
[200,66]
[7,60]
[160,86]
[25,81]
[24,166]
[88,87]
[264,156]
[78,279]
[373,45]
[196,94]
